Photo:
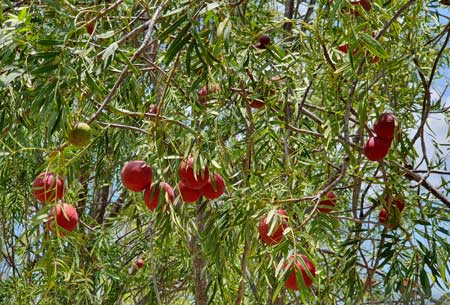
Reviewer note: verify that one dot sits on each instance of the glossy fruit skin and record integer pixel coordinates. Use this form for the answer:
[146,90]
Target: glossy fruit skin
[208,189]
[136,175]
[66,217]
[80,134]
[256,104]
[327,205]
[90,27]
[296,266]
[190,180]
[48,187]
[277,234]
[153,109]
[383,216]
[188,195]
[384,127]
[345,47]
[151,195]
[140,263]
[376,148]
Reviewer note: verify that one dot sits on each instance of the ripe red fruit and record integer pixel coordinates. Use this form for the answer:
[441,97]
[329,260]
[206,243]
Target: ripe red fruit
[48,187]
[204,92]
[136,175]
[375,60]
[192,181]
[263,42]
[153,109]
[208,190]
[188,195]
[383,216]
[345,47]
[296,266]
[90,27]
[364,3]
[384,127]
[257,104]
[66,217]
[151,194]
[376,148]
[327,204]
[140,263]
[277,233]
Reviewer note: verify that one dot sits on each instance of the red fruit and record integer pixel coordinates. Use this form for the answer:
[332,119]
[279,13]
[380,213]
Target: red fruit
[375,60]
[188,195]
[140,263]
[257,104]
[192,181]
[48,187]
[208,190]
[383,216]
[204,92]
[66,217]
[136,175]
[364,3]
[326,205]
[385,125]
[263,42]
[90,27]
[297,265]
[277,233]
[343,48]
[151,195]
[153,109]
[376,148]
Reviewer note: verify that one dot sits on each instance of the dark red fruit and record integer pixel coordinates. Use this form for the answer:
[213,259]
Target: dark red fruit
[327,204]
[376,148]
[90,27]
[375,60]
[192,181]
[296,266]
[364,3]
[397,201]
[153,109]
[188,195]
[263,42]
[140,263]
[208,190]
[151,194]
[66,218]
[48,187]
[136,175]
[384,127]
[383,216]
[277,233]
[257,104]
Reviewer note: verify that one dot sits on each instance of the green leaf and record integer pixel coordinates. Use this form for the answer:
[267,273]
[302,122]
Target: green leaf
[373,45]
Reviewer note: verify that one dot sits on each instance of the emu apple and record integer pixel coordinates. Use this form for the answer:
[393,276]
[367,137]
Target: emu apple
[213,193]
[80,134]
[263,42]
[66,217]
[327,204]
[48,187]
[277,233]
[308,274]
[383,216]
[188,195]
[384,127]
[376,148]
[257,104]
[204,92]
[151,194]
[140,263]
[136,175]
[193,181]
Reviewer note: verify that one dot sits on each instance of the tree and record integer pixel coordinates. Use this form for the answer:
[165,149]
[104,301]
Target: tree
[284,122]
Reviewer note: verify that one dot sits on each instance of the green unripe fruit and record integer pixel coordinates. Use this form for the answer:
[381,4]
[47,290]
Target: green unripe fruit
[80,134]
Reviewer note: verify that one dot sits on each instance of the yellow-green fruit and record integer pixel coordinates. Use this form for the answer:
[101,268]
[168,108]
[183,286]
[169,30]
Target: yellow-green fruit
[80,134]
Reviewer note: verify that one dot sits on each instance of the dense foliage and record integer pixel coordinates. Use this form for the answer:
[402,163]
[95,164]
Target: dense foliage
[330,69]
